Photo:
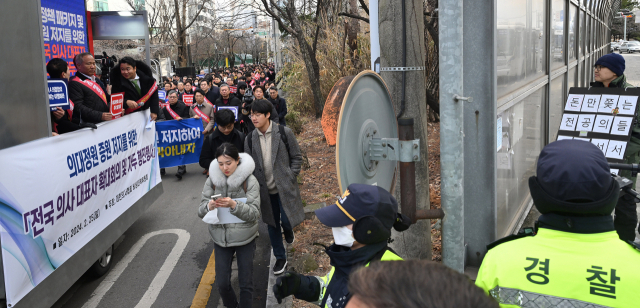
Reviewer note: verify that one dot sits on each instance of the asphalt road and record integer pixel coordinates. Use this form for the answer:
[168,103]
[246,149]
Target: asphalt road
[632,70]
[174,211]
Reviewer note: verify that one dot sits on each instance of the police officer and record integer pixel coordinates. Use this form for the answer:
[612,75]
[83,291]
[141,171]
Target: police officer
[576,258]
[361,222]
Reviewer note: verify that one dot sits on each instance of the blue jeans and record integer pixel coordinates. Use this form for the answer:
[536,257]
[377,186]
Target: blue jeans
[275,234]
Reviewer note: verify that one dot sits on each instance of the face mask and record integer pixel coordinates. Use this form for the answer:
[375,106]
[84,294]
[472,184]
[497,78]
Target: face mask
[343,236]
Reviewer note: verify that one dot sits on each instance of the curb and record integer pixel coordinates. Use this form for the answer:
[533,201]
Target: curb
[271,300]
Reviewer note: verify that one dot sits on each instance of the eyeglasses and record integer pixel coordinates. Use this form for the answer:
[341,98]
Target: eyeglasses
[598,67]
[254,115]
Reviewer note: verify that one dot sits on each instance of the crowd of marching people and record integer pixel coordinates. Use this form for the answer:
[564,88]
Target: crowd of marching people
[252,161]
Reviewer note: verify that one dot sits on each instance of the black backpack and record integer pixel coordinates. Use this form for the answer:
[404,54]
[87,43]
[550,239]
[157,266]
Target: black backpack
[283,136]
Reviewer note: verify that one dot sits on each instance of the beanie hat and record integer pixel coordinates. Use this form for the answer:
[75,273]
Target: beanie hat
[565,184]
[614,62]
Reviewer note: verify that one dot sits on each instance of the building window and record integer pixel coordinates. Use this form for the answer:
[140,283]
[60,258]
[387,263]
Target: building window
[101,5]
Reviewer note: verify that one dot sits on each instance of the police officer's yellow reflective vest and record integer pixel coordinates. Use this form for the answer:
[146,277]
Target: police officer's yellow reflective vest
[561,269]
[326,280]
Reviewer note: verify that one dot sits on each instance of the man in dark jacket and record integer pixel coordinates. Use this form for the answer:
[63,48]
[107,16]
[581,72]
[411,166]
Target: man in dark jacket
[88,94]
[279,103]
[176,110]
[224,132]
[228,100]
[609,73]
[210,93]
[135,79]
[61,119]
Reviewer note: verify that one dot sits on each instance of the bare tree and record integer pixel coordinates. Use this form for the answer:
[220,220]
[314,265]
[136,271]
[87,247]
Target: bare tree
[295,22]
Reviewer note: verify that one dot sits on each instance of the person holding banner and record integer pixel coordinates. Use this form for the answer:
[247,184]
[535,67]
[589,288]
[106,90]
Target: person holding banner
[231,178]
[176,110]
[135,79]
[224,132]
[226,99]
[61,119]
[88,94]
[201,110]
[609,73]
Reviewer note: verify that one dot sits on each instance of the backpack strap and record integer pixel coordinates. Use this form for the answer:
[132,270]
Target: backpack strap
[250,143]
[283,136]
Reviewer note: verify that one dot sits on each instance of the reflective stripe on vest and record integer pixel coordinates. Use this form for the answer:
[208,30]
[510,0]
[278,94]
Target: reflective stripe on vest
[387,256]
[525,299]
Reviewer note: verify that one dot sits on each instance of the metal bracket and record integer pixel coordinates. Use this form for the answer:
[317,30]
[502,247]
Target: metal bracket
[402,69]
[462,98]
[392,149]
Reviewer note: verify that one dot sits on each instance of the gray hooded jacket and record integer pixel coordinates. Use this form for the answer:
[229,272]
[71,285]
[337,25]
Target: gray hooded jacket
[229,235]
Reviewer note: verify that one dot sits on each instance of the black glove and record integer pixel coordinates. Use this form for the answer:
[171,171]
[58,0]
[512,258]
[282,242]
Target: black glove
[287,284]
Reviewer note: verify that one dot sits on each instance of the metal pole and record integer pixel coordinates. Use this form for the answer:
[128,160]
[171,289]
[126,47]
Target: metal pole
[451,132]
[625,27]
[146,39]
[407,173]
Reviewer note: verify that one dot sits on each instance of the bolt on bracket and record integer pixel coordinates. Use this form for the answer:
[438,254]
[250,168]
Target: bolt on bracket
[392,149]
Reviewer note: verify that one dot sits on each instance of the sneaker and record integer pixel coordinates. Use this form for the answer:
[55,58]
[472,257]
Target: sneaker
[289,237]
[179,176]
[279,267]
[162,172]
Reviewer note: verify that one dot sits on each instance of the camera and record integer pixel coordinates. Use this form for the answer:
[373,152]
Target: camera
[106,64]
[626,185]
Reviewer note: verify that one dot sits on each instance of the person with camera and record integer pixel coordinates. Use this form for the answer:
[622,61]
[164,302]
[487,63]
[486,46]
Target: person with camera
[88,93]
[361,223]
[176,110]
[574,257]
[224,132]
[246,125]
[135,79]
[230,176]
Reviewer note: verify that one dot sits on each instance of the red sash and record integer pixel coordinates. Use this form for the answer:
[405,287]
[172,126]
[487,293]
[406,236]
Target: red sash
[208,102]
[93,87]
[144,99]
[200,113]
[171,112]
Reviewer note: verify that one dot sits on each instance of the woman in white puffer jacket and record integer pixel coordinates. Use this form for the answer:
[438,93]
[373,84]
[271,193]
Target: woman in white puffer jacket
[231,176]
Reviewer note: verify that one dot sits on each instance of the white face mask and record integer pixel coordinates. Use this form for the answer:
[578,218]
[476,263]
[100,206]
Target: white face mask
[343,236]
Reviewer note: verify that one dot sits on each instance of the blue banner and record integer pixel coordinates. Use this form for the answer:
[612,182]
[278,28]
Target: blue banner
[64,30]
[179,142]
[58,94]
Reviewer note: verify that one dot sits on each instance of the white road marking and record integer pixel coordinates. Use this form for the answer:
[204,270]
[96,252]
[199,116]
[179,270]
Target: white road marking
[159,280]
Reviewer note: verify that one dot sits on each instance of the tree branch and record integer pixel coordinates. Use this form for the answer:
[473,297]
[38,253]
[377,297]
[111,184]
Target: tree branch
[354,16]
[364,7]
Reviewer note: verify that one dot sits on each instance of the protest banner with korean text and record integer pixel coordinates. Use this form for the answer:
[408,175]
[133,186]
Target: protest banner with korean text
[64,30]
[58,94]
[58,193]
[602,116]
[117,101]
[179,142]
[187,99]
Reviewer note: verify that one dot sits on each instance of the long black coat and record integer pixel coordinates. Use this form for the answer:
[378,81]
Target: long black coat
[281,108]
[87,104]
[214,140]
[121,84]
[213,94]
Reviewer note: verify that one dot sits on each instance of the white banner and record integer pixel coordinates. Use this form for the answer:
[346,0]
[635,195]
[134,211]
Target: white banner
[56,194]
